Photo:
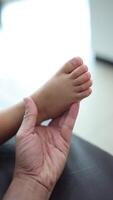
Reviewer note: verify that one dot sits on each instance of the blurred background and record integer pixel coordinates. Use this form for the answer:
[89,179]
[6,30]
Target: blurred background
[37,37]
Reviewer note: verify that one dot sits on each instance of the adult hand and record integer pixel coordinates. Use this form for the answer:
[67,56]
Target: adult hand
[41,151]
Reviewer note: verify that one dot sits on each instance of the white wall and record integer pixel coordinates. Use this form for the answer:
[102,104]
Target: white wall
[37,37]
[102,27]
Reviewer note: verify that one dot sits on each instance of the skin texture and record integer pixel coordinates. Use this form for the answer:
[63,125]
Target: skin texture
[69,85]
[41,154]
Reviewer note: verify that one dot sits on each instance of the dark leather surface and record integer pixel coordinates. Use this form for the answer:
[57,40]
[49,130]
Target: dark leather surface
[88,174]
[7,161]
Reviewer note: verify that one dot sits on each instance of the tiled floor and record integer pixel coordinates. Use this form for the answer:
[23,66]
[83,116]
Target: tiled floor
[39,36]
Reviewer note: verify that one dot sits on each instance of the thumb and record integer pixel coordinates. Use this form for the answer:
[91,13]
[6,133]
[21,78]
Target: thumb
[69,121]
[30,117]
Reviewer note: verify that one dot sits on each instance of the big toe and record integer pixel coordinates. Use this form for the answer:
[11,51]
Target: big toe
[71,65]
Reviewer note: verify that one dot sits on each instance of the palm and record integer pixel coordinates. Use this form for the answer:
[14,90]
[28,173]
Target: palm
[43,150]
[52,154]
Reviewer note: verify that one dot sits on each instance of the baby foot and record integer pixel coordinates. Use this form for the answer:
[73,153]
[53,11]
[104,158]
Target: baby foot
[70,84]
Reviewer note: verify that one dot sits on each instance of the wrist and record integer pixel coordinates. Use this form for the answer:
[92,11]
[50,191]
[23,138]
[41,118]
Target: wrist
[29,184]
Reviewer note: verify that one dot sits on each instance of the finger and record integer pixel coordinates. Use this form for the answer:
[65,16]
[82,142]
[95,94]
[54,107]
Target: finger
[71,116]
[30,116]
[59,121]
[68,123]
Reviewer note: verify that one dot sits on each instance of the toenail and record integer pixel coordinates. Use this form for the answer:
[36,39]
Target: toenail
[73,61]
[76,61]
[88,75]
[86,68]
